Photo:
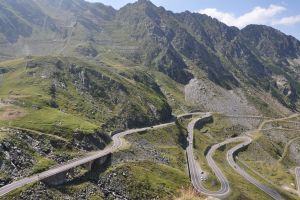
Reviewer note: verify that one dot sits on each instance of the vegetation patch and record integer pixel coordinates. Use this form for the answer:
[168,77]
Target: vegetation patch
[241,188]
[147,180]
[53,121]
[169,142]
[42,164]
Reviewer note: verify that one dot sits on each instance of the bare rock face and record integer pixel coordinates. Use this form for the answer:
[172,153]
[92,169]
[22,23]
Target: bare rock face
[283,85]
[295,152]
[210,97]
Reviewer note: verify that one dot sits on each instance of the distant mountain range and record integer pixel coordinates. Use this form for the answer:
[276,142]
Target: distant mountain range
[176,44]
[72,73]
[143,34]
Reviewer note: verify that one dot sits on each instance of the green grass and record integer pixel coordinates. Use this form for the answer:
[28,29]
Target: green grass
[262,178]
[95,197]
[4,175]
[168,141]
[149,180]
[42,164]
[113,96]
[263,155]
[158,174]
[30,90]
[217,129]
[52,121]
[174,91]
[241,188]
[79,187]
[20,85]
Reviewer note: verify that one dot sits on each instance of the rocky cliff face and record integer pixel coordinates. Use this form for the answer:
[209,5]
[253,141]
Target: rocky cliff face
[271,43]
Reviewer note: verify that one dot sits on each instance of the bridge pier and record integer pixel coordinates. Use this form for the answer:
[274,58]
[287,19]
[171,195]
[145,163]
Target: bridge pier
[88,166]
[100,163]
[97,165]
[56,179]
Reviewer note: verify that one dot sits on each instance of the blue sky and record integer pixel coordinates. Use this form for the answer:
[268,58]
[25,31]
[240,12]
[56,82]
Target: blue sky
[281,14]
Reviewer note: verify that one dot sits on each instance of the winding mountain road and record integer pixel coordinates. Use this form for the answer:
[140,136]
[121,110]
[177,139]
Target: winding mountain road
[246,141]
[117,143]
[196,173]
[230,158]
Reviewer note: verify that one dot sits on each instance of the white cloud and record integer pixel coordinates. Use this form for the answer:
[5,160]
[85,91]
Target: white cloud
[288,20]
[258,15]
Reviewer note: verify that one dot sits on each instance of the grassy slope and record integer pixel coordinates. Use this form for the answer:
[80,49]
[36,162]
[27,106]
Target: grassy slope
[241,188]
[148,180]
[114,98]
[268,155]
[27,92]
[169,141]
[151,179]
[31,94]
[50,120]
[168,180]
[175,93]
[143,179]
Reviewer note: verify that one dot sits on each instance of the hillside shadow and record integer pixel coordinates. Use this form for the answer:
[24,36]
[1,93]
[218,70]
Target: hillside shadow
[90,176]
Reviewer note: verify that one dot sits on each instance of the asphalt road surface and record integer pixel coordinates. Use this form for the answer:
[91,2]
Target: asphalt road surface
[230,158]
[117,143]
[197,174]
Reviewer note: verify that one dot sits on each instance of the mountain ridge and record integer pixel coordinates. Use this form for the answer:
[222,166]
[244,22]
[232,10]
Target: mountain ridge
[141,33]
[75,73]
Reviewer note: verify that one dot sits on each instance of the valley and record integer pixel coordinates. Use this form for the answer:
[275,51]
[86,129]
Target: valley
[144,103]
[196,174]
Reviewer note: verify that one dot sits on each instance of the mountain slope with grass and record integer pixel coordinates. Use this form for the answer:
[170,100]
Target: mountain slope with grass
[76,91]
[58,108]
[181,45]
[72,73]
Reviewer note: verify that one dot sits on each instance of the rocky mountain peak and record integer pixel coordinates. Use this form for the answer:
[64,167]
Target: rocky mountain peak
[145,3]
[271,42]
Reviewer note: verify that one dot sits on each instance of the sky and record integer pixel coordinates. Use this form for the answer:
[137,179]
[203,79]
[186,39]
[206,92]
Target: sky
[281,14]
